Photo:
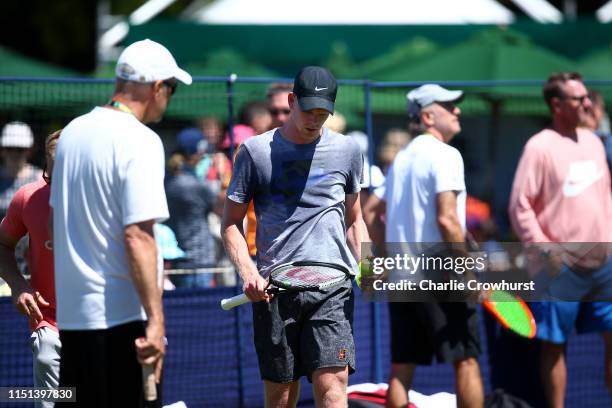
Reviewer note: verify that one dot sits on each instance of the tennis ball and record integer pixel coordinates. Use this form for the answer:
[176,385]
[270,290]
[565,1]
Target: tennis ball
[365,269]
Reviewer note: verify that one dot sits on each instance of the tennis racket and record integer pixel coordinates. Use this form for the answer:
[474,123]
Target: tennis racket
[297,276]
[148,382]
[511,312]
[148,379]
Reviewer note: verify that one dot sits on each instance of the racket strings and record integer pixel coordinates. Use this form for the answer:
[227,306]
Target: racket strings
[515,317]
[512,312]
[307,277]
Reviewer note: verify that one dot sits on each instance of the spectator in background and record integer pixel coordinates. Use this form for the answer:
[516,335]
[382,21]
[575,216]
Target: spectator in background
[241,132]
[190,201]
[336,122]
[424,202]
[278,103]
[597,120]
[28,214]
[214,166]
[256,119]
[257,116]
[370,171]
[378,178]
[169,249]
[15,147]
[213,132]
[394,140]
[561,194]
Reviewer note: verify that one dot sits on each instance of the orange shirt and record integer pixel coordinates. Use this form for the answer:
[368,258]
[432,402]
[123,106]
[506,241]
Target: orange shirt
[251,229]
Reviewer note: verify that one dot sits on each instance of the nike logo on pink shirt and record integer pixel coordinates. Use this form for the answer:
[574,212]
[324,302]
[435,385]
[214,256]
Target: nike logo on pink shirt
[582,175]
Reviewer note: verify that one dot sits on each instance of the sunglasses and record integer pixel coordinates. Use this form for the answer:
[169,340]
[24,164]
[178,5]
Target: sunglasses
[15,149]
[449,106]
[172,85]
[276,112]
[579,99]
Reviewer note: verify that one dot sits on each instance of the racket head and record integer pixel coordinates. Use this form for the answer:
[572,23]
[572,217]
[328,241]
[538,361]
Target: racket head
[308,275]
[511,312]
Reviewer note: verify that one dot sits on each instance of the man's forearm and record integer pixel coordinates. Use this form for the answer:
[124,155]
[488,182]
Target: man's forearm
[9,270]
[354,237]
[142,259]
[452,233]
[238,251]
[377,233]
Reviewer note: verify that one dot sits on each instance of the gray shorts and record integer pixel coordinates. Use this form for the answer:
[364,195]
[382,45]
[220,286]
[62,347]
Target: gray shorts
[300,332]
[46,348]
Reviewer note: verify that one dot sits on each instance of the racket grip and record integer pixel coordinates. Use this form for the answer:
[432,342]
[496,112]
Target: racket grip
[230,303]
[148,382]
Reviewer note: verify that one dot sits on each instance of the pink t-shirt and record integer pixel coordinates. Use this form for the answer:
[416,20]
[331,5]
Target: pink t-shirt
[29,213]
[561,191]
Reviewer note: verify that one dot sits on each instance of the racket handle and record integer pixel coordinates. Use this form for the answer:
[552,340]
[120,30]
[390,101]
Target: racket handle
[148,382]
[230,303]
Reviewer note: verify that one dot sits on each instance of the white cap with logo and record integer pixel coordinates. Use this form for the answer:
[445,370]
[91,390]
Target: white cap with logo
[427,94]
[17,135]
[149,61]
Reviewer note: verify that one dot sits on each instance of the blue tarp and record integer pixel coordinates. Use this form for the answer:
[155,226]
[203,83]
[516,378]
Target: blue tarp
[211,360]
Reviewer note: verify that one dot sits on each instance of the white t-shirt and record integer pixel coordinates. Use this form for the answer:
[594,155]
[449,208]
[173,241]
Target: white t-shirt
[108,173]
[424,168]
[378,178]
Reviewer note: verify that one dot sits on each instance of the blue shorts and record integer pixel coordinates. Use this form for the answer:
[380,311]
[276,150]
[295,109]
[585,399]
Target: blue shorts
[556,320]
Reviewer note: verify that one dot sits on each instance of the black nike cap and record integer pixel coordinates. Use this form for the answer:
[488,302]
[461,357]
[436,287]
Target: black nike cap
[315,88]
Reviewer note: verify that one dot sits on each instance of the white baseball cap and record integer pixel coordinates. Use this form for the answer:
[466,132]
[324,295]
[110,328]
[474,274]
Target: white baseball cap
[18,135]
[427,94]
[148,61]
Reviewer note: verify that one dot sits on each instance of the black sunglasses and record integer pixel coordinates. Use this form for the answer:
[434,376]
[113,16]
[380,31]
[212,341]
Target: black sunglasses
[579,99]
[172,85]
[449,106]
[15,149]
[276,112]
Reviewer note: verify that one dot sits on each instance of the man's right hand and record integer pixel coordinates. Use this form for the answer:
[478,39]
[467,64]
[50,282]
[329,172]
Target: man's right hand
[151,350]
[255,288]
[26,301]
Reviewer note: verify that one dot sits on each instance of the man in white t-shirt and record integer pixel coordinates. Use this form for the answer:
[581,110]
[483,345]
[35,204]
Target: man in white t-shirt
[107,193]
[423,201]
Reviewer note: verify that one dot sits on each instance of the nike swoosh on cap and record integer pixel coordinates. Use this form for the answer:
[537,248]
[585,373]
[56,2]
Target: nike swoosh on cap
[317,89]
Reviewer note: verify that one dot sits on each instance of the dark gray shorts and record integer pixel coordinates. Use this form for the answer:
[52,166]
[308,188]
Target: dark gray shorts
[422,330]
[300,332]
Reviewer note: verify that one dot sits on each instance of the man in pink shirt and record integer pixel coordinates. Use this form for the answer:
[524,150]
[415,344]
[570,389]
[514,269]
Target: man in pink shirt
[561,194]
[28,213]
